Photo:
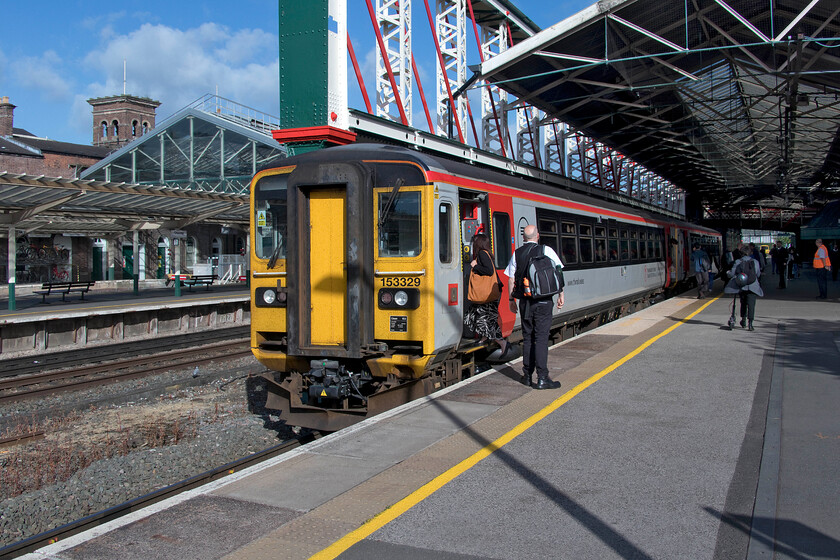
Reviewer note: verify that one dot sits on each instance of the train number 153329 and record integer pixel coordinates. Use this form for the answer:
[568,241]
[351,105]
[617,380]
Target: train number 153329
[401,282]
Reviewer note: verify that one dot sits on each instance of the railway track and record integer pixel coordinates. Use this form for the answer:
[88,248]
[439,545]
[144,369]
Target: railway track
[91,521]
[35,385]
[98,354]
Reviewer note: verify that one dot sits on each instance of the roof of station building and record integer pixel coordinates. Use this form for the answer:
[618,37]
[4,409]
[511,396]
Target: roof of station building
[732,100]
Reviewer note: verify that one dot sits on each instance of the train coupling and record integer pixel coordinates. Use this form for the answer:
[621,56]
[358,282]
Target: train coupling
[331,380]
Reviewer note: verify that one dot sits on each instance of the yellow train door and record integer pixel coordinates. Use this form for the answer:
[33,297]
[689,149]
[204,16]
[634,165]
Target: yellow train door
[327,266]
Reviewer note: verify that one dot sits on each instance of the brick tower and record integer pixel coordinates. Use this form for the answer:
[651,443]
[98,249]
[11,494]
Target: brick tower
[119,119]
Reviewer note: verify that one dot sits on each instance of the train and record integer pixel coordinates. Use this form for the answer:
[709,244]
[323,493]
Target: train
[358,271]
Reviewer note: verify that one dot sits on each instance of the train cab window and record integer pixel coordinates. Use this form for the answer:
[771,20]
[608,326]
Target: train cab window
[625,245]
[612,245]
[445,232]
[600,244]
[569,243]
[501,238]
[399,224]
[585,242]
[270,217]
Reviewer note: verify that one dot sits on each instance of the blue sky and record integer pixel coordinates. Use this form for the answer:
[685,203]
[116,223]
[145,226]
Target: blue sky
[56,54]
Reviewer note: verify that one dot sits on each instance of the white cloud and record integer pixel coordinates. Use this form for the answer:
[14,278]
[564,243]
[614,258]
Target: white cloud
[42,74]
[177,67]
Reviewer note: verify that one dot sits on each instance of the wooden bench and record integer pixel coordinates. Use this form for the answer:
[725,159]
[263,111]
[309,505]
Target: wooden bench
[63,288]
[205,280]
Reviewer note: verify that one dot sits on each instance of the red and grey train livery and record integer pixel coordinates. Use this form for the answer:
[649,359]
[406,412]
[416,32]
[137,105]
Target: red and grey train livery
[358,259]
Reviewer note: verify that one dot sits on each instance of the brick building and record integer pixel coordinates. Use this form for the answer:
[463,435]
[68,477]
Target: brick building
[23,152]
[119,119]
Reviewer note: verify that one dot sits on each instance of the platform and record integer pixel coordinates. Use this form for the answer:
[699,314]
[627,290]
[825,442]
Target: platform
[671,437]
[107,315]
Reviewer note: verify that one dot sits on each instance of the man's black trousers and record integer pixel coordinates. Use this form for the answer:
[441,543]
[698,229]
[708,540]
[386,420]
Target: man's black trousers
[536,326]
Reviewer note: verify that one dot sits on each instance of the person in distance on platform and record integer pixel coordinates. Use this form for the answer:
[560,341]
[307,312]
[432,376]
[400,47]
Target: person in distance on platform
[822,264]
[780,262]
[535,314]
[701,265]
[747,294]
[483,318]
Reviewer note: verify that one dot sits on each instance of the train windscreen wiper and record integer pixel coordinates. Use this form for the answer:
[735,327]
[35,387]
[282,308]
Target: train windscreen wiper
[275,255]
[386,211]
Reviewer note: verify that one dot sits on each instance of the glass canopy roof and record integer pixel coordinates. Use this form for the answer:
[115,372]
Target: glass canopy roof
[213,145]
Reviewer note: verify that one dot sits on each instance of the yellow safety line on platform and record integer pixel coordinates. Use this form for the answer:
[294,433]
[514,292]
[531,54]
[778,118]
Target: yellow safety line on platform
[393,512]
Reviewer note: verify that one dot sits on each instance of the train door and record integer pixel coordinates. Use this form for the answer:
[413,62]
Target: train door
[503,242]
[670,264]
[327,266]
[448,309]
[474,220]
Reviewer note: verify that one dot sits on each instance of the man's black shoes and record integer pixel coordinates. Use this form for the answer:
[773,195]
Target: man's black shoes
[546,383]
[526,380]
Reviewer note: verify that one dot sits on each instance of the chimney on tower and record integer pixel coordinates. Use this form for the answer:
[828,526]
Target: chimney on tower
[7,116]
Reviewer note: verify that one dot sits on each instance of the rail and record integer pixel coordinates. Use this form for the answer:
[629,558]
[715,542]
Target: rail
[102,517]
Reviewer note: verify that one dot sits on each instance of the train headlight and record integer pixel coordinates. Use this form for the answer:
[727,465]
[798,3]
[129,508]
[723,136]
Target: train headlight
[270,297]
[399,298]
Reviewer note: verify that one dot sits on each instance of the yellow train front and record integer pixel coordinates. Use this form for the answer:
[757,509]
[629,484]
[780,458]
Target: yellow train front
[344,266]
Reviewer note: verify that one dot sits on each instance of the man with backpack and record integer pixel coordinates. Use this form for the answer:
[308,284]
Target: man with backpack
[744,275]
[536,275]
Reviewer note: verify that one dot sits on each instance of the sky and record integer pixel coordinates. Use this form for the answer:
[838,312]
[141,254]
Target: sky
[57,54]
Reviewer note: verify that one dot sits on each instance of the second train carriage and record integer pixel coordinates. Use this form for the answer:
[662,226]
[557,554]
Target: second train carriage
[358,256]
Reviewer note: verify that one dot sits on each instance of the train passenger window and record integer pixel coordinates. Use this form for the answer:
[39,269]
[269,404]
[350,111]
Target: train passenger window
[399,230]
[643,254]
[501,238]
[612,245]
[625,245]
[445,232]
[634,245]
[600,244]
[548,234]
[585,242]
[600,250]
[270,217]
[569,243]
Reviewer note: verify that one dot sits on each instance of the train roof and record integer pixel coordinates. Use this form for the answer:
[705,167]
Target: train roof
[562,188]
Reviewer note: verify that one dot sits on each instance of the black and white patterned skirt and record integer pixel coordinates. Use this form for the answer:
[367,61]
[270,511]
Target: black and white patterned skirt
[483,320]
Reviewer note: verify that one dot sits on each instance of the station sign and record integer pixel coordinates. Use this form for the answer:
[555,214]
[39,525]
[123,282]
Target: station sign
[178,234]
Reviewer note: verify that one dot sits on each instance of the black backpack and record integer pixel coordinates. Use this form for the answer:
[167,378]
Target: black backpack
[745,273]
[544,280]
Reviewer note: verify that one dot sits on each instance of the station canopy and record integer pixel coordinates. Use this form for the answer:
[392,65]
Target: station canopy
[196,166]
[734,101]
[51,205]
